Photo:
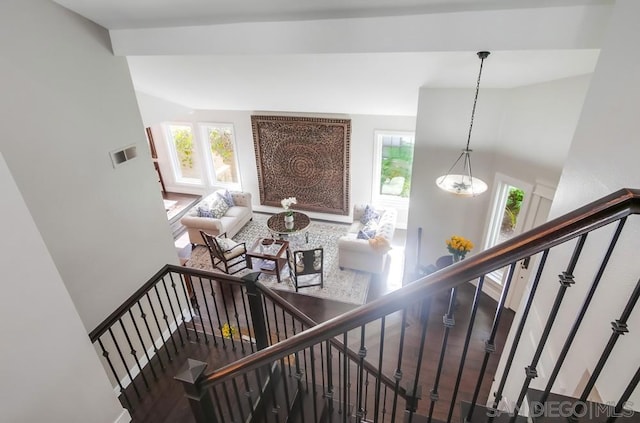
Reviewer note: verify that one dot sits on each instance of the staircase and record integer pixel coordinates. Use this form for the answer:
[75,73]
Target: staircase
[284,367]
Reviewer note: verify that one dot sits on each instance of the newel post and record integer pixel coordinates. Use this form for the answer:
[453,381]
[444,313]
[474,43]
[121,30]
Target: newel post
[257,310]
[199,398]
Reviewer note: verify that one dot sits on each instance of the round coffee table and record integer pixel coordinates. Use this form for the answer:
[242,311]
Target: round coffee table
[276,224]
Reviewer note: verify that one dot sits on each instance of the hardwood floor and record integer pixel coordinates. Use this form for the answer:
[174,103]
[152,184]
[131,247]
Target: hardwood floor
[166,403]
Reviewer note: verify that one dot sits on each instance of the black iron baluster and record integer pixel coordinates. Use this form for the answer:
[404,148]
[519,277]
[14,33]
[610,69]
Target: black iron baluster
[236,315]
[165,317]
[143,316]
[362,353]
[105,354]
[275,410]
[379,375]
[384,403]
[324,386]
[489,345]
[226,310]
[313,383]
[266,319]
[566,280]
[225,393]
[339,382]
[275,318]
[286,336]
[237,394]
[448,321]
[299,377]
[206,306]
[345,380]
[173,313]
[298,374]
[398,374]
[144,347]
[124,363]
[247,392]
[217,312]
[329,394]
[191,300]
[243,295]
[261,393]
[619,328]
[583,310]
[155,317]
[175,294]
[366,395]
[134,354]
[518,334]
[218,403]
[306,371]
[465,348]
[284,385]
[625,397]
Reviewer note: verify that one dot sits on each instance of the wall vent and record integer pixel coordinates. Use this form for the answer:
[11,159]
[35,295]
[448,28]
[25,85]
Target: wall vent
[120,156]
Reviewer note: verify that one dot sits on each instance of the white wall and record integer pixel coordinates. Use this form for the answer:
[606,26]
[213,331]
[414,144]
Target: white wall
[602,159]
[49,370]
[361,151]
[66,103]
[522,132]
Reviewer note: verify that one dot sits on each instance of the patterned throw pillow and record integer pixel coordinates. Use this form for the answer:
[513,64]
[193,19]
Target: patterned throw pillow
[226,243]
[369,214]
[219,207]
[227,197]
[204,212]
[369,230]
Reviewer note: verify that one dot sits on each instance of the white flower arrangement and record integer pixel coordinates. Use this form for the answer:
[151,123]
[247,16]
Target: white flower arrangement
[287,203]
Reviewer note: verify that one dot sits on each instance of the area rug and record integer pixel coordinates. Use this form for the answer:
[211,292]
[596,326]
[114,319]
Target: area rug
[348,286]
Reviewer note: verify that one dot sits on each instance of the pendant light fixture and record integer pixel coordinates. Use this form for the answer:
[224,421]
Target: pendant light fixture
[464,184]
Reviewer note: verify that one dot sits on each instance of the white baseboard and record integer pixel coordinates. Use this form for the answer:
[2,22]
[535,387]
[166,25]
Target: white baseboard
[124,417]
[158,342]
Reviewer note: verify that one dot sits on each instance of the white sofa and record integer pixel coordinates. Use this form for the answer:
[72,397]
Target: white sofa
[358,254]
[233,220]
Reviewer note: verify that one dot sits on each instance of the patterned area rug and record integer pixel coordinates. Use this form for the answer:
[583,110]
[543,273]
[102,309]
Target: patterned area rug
[348,286]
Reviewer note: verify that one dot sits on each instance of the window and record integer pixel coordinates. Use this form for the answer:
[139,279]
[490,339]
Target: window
[220,149]
[507,214]
[206,157]
[185,160]
[394,162]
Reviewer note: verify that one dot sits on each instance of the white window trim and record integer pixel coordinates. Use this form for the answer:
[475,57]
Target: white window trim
[499,182]
[376,197]
[209,168]
[173,155]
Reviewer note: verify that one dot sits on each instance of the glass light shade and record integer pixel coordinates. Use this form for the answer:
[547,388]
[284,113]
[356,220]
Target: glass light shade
[462,185]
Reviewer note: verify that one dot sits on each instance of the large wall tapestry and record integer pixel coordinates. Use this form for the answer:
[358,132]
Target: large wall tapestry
[306,158]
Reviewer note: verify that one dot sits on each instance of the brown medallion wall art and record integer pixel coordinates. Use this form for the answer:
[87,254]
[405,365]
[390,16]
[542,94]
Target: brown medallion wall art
[303,157]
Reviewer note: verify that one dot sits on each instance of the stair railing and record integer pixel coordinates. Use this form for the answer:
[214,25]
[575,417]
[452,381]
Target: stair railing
[352,327]
[147,334]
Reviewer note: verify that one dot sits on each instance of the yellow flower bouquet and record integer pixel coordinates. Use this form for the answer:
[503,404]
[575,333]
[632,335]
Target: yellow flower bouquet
[459,247]
[228,331]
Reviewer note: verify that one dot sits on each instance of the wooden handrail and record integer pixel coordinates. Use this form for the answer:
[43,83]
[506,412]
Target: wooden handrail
[585,219]
[136,296]
[335,342]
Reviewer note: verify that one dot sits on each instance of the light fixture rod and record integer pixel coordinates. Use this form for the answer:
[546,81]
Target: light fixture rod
[482,55]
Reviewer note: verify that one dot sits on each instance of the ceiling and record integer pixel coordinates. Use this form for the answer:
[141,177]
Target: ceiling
[119,14]
[381,83]
[365,83]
